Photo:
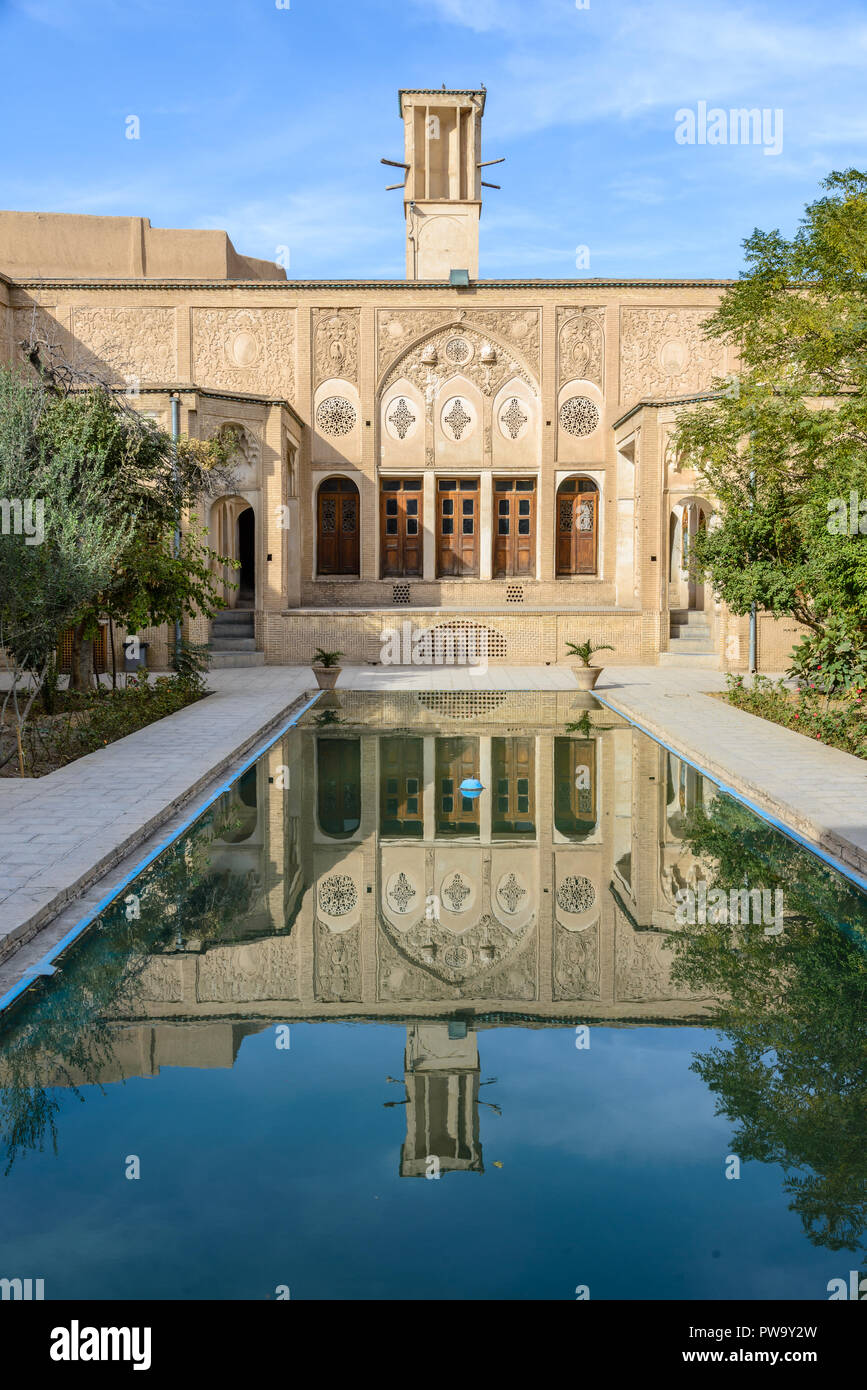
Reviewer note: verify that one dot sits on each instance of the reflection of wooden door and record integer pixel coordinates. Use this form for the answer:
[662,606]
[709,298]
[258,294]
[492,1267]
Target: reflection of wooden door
[513,776]
[577,508]
[338,525]
[401,782]
[456,758]
[514,526]
[338,778]
[458,527]
[574,785]
[400,526]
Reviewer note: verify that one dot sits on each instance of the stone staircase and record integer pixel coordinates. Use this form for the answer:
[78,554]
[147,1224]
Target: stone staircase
[690,642]
[233,639]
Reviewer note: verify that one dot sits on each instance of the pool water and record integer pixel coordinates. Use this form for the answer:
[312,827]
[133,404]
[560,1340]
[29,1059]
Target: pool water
[360,1035]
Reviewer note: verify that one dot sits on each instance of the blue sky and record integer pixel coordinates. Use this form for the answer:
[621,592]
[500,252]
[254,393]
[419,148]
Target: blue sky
[271,122]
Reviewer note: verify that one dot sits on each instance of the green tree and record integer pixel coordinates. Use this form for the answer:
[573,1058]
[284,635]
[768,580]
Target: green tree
[792,1072]
[785,442]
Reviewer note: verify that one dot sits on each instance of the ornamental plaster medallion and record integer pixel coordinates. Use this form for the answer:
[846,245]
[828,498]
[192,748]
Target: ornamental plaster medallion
[457,418]
[337,895]
[458,351]
[513,420]
[456,892]
[400,418]
[400,894]
[576,894]
[243,350]
[511,893]
[579,416]
[336,416]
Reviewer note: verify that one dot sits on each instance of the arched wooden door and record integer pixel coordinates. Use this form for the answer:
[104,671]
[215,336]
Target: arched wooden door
[338,524]
[577,526]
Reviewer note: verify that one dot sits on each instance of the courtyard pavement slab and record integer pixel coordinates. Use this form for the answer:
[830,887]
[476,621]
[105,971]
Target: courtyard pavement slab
[59,833]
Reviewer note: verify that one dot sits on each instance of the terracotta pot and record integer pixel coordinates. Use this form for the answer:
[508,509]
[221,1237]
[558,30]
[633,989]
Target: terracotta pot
[326,676]
[587,676]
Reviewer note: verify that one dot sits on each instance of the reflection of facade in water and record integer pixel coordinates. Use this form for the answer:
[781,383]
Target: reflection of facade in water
[384,892]
[387,892]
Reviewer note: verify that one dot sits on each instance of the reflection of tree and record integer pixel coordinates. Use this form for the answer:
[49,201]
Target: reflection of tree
[793,1077]
[58,1034]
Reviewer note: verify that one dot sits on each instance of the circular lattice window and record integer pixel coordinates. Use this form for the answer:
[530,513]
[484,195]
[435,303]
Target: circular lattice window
[337,895]
[458,351]
[336,416]
[576,894]
[579,416]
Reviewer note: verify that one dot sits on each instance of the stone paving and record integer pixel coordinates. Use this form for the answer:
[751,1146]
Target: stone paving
[819,792]
[60,832]
[65,838]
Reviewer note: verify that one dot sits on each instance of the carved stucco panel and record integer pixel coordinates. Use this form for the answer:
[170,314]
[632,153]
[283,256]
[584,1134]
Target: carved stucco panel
[338,965]
[663,352]
[126,343]
[250,350]
[581,346]
[335,345]
[257,970]
[576,963]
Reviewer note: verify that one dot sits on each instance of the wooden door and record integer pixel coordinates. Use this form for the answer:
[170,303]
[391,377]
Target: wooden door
[574,786]
[338,776]
[513,776]
[577,511]
[400,527]
[456,758]
[457,527]
[401,784]
[338,527]
[514,527]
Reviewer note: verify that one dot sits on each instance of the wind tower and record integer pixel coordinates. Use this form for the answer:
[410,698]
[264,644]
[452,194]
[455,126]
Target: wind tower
[442,197]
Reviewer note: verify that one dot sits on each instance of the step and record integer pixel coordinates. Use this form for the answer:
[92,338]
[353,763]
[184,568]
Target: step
[701,643]
[233,615]
[699,661]
[233,644]
[221,661]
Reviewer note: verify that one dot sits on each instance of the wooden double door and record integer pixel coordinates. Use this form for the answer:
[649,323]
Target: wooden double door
[400,527]
[514,527]
[457,527]
[338,527]
[577,526]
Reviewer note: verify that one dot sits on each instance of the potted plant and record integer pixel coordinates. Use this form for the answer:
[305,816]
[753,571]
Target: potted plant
[326,668]
[585,674]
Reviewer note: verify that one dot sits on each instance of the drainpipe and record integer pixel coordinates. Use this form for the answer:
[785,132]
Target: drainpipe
[753,604]
[176,430]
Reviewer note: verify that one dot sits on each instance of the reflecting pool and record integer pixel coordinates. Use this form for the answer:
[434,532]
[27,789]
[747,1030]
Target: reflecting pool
[363,1034]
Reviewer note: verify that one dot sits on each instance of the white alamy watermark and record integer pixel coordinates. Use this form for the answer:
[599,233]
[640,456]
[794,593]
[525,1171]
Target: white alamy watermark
[847,516]
[27,1290]
[758,907]
[856,1288]
[23,517]
[77,1343]
[738,126]
[439,646]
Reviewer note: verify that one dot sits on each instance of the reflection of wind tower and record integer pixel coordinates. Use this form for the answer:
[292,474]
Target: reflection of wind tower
[443,186]
[441,1074]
